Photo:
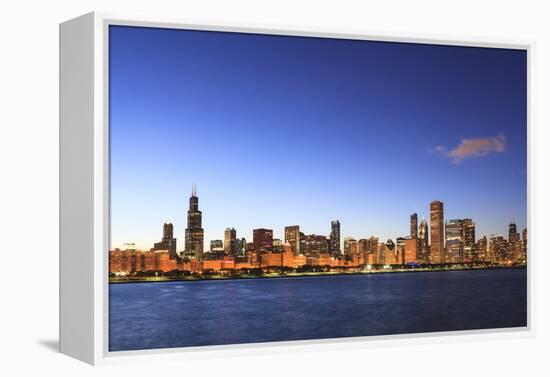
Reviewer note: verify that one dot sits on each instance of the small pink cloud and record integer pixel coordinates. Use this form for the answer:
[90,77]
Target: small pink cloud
[476,148]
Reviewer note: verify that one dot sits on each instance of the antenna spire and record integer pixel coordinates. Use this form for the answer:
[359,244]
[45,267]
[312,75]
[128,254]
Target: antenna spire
[194,190]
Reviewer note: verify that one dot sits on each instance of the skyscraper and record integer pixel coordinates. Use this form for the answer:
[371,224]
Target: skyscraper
[229,241]
[335,238]
[168,241]
[469,239]
[194,233]
[423,248]
[524,243]
[292,237]
[454,241]
[514,243]
[262,239]
[513,235]
[414,225]
[437,245]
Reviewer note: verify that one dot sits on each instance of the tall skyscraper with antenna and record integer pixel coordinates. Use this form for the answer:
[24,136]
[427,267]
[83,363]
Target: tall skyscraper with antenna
[194,233]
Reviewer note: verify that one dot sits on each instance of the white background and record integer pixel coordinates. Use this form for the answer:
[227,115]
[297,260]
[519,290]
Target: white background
[29,186]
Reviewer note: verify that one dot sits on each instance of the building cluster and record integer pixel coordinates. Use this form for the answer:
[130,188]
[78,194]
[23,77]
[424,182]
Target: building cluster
[442,242]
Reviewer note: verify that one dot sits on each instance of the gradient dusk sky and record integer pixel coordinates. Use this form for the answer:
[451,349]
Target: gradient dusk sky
[279,130]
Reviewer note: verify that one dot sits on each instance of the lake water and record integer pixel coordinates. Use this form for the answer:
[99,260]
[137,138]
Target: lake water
[196,313]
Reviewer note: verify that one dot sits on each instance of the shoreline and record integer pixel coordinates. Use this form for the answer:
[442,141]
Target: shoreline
[166,279]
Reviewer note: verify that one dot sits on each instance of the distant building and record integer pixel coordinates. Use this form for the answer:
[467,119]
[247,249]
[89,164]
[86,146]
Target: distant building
[262,239]
[411,247]
[423,242]
[335,238]
[482,253]
[469,228]
[278,245]
[515,244]
[350,246]
[229,241]
[498,249]
[437,233]
[454,241]
[194,233]
[314,243]
[216,246]
[400,249]
[524,243]
[292,237]
[414,225]
[168,241]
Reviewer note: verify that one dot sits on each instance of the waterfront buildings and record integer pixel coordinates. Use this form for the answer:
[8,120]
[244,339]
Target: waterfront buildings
[437,245]
[319,252]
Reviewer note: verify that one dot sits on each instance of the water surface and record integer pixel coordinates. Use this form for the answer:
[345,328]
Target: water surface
[196,313]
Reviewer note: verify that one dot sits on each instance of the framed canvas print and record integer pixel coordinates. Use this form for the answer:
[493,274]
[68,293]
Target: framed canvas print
[223,185]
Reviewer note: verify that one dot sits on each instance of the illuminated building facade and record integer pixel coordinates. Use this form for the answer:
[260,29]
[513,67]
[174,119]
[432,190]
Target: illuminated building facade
[437,241]
[262,239]
[454,241]
[335,238]
[292,237]
[194,233]
[168,241]
[423,242]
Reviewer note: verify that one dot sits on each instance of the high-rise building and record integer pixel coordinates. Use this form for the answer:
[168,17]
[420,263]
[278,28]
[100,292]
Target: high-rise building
[498,249]
[314,243]
[278,245]
[469,228]
[242,247]
[168,241]
[482,253]
[454,241]
[350,246]
[262,239]
[400,249]
[335,238]
[514,243]
[194,233]
[229,241]
[292,237]
[423,245]
[410,249]
[513,235]
[437,245]
[414,225]
[524,243]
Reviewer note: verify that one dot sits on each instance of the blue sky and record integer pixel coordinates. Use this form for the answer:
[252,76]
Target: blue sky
[279,130]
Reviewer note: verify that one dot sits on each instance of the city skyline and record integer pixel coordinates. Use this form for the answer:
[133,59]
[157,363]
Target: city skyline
[391,128]
[455,238]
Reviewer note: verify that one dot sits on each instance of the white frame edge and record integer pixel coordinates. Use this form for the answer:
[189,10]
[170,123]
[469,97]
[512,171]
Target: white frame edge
[84,191]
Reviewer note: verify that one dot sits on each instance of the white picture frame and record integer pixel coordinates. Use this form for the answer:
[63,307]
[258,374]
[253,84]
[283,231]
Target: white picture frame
[84,188]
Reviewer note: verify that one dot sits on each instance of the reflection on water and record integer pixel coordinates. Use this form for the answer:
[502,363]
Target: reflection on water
[194,313]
